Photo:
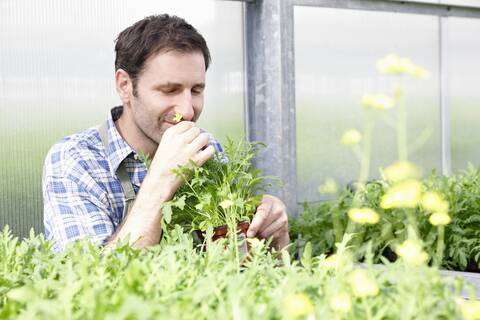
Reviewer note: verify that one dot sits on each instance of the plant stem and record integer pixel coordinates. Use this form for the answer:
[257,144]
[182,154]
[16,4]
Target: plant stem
[364,161]
[440,245]
[233,237]
[337,224]
[367,148]
[363,177]
[401,124]
[412,224]
[367,308]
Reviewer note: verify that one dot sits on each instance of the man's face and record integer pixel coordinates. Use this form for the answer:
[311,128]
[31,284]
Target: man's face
[170,82]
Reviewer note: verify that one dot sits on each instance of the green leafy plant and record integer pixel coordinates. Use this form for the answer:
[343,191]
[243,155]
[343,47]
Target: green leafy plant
[225,190]
[461,237]
[174,281]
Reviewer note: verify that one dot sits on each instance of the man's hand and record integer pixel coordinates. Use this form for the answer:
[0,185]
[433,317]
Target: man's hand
[179,144]
[271,221]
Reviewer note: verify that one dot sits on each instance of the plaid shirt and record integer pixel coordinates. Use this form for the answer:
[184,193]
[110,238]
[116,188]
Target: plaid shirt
[82,195]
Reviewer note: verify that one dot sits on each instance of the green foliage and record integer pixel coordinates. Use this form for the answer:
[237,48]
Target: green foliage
[147,160]
[173,280]
[226,189]
[462,235]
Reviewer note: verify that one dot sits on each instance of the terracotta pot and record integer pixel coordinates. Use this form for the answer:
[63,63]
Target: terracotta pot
[222,232]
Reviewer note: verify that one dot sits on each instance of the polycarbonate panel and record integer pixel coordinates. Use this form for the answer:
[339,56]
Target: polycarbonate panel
[422,1]
[335,65]
[468,3]
[463,88]
[57,77]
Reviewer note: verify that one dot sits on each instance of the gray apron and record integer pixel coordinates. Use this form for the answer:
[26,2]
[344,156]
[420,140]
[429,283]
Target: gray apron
[122,173]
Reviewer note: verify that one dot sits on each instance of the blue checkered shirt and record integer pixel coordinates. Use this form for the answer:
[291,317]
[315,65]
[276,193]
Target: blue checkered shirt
[82,195]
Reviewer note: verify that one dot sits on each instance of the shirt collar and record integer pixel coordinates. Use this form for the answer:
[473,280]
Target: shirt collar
[118,149]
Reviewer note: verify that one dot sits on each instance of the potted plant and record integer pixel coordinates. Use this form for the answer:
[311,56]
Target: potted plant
[221,195]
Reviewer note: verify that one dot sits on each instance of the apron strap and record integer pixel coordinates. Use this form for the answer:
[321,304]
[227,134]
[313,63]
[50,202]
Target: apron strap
[122,173]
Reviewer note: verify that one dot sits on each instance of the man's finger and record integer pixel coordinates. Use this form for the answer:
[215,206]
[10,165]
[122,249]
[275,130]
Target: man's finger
[281,240]
[181,127]
[191,134]
[199,142]
[202,156]
[261,215]
[275,213]
[279,224]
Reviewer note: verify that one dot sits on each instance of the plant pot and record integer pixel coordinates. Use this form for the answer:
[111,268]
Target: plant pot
[389,254]
[221,232]
[472,266]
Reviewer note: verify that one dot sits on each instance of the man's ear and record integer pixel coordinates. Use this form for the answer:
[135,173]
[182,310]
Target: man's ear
[124,86]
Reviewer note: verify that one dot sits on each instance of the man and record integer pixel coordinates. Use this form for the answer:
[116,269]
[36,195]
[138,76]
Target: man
[94,183]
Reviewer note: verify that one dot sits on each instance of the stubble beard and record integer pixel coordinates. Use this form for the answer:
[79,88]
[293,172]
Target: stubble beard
[151,130]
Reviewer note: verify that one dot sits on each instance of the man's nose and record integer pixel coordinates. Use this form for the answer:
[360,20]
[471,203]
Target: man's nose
[185,106]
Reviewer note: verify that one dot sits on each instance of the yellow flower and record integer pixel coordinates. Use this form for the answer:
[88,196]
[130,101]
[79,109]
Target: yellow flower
[331,262]
[434,202]
[389,64]
[393,64]
[402,170]
[298,305]
[341,302]
[226,204]
[470,309]
[406,66]
[405,194]
[362,284]
[412,252]
[419,72]
[363,215]
[440,218]
[329,187]
[377,101]
[178,117]
[352,136]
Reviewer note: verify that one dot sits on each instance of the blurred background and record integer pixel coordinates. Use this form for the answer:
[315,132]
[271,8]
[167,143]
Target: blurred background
[57,69]
[335,56]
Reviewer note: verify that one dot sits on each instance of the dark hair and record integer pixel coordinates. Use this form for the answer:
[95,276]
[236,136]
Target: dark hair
[154,34]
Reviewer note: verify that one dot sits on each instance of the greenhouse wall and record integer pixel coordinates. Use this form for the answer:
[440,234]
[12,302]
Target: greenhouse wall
[57,78]
[298,89]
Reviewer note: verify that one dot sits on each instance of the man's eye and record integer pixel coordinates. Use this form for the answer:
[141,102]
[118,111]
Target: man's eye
[197,91]
[169,91]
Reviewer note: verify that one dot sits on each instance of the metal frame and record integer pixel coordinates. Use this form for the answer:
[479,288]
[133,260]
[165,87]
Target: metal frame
[416,7]
[270,78]
[270,112]
[446,152]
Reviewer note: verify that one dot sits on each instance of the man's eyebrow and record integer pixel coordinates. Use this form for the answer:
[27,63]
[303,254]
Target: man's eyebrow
[169,85]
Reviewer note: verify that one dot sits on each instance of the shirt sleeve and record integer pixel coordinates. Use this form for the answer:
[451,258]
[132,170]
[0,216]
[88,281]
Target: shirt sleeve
[213,141]
[75,206]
